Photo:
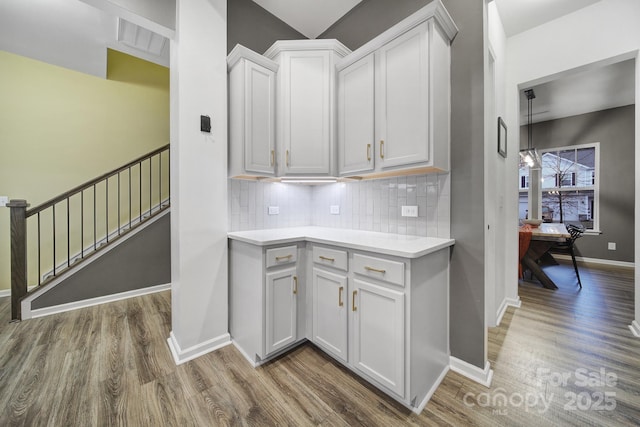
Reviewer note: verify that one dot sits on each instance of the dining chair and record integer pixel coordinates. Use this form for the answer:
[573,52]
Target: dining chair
[575,232]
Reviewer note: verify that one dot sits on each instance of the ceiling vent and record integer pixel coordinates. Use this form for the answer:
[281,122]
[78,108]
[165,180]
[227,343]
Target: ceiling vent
[140,38]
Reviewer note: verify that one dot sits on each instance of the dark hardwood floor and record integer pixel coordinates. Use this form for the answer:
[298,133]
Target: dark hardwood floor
[566,357]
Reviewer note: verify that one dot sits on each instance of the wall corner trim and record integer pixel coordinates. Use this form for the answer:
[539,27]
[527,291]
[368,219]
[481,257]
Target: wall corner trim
[481,376]
[635,328]
[181,356]
[506,303]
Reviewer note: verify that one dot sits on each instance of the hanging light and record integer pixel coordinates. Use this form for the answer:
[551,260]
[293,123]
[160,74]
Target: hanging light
[529,156]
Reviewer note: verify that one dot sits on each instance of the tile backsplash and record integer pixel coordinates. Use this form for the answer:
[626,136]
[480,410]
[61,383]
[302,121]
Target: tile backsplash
[372,205]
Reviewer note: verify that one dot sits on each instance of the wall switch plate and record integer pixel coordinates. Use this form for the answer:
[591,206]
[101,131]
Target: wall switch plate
[335,209]
[205,124]
[3,201]
[411,211]
[274,210]
[611,246]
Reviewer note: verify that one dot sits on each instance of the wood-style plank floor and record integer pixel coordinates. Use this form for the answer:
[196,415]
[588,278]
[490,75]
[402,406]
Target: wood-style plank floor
[110,365]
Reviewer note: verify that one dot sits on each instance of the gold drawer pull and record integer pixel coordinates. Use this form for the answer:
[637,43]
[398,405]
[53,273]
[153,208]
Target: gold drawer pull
[324,258]
[273,157]
[382,149]
[368,152]
[287,158]
[340,302]
[279,258]
[353,301]
[295,284]
[374,269]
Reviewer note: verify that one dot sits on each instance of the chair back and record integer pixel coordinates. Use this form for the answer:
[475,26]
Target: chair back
[575,231]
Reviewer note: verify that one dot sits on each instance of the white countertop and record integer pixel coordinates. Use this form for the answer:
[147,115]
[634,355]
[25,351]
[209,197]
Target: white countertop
[384,243]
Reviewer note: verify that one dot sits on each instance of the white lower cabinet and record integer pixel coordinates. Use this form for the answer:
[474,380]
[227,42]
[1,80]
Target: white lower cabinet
[378,334]
[330,312]
[281,309]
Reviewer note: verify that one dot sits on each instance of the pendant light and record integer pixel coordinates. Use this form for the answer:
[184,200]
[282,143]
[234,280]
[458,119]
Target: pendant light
[529,156]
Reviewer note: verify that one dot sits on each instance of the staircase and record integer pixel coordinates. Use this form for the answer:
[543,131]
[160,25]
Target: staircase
[52,241]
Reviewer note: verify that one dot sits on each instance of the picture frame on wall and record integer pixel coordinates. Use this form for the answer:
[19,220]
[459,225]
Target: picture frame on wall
[502,137]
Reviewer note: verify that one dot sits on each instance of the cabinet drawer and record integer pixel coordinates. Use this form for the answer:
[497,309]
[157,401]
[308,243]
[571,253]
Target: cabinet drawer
[282,256]
[379,268]
[330,257]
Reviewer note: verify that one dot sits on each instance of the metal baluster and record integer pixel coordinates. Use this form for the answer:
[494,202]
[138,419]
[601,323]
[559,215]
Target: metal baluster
[150,187]
[129,197]
[119,204]
[54,239]
[106,207]
[95,241]
[160,181]
[82,224]
[39,263]
[140,191]
[68,233]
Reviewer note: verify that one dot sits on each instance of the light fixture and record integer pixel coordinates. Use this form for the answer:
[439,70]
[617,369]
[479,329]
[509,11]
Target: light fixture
[529,156]
[308,180]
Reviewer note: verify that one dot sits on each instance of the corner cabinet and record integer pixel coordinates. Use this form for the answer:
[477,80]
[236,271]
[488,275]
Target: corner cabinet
[264,314]
[305,105]
[252,113]
[394,98]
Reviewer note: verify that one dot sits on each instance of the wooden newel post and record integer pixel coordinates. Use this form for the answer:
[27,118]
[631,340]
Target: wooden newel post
[18,224]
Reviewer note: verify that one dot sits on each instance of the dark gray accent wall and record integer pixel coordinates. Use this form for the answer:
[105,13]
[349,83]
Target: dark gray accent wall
[141,261]
[254,27]
[614,129]
[361,24]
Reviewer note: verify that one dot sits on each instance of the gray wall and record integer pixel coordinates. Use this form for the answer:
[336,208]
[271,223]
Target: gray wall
[367,20]
[254,27]
[614,130]
[141,261]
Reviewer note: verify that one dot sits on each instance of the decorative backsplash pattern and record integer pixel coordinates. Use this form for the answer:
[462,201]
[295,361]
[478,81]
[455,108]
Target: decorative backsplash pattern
[372,205]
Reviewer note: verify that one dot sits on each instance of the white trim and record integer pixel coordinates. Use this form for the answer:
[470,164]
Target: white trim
[181,356]
[27,313]
[635,328]
[610,262]
[507,302]
[481,376]
[7,292]
[307,44]
[244,354]
[418,409]
[240,52]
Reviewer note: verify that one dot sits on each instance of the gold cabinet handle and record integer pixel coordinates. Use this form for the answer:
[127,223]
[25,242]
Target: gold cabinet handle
[279,258]
[368,152]
[273,157]
[287,158]
[353,301]
[382,149]
[295,284]
[340,302]
[324,258]
[374,269]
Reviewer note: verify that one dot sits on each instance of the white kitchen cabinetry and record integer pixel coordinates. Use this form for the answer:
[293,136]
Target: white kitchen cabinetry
[306,105]
[252,126]
[411,94]
[266,285]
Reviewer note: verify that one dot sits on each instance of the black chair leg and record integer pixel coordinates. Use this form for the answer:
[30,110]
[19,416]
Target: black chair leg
[575,265]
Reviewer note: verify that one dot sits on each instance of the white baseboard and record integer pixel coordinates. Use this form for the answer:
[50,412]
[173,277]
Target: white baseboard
[28,313]
[244,354]
[635,328]
[7,292]
[181,356]
[599,261]
[432,390]
[507,302]
[481,376]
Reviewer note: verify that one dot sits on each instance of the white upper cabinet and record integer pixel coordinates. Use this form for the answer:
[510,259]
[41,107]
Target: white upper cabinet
[356,137]
[305,105]
[252,83]
[409,88]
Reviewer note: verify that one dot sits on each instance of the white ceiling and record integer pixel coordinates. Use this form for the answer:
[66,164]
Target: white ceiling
[309,17]
[521,15]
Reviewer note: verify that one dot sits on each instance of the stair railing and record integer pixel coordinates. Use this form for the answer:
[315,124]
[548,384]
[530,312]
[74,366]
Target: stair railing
[65,231]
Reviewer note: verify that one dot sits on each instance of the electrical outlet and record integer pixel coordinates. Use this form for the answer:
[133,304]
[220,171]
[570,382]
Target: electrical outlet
[411,211]
[611,246]
[335,209]
[274,210]
[3,201]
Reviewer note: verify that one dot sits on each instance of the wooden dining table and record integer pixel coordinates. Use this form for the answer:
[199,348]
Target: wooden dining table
[543,238]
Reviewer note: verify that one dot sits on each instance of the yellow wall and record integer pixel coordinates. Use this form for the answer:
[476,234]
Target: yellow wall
[60,128]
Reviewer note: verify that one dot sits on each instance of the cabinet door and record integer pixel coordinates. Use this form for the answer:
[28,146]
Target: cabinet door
[356,137]
[281,308]
[259,119]
[306,109]
[329,312]
[402,99]
[378,334]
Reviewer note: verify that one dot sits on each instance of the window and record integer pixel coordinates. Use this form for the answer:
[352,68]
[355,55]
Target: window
[569,185]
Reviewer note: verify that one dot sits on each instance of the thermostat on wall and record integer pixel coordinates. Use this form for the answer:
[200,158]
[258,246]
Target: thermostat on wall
[205,124]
